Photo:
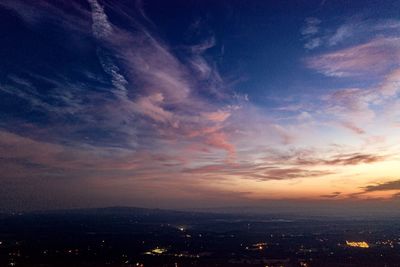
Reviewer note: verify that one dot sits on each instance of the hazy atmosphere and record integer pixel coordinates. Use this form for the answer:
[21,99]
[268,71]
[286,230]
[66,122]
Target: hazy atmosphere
[275,105]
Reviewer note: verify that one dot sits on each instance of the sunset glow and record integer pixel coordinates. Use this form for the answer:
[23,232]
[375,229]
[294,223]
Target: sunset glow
[176,105]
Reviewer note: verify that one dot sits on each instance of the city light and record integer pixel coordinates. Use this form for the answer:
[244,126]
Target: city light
[360,244]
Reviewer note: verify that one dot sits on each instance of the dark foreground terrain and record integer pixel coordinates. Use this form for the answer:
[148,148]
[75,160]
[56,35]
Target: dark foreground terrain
[155,238]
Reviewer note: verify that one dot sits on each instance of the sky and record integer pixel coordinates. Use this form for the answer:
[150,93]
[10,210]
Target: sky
[199,104]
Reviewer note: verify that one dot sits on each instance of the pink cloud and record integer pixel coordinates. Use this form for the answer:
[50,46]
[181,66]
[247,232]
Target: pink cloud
[201,131]
[351,126]
[151,107]
[391,84]
[220,140]
[286,137]
[217,116]
[351,108]
[374,57]
[78,158]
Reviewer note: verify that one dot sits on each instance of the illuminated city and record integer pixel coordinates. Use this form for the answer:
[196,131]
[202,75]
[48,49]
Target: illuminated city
[360,244]
[129,237]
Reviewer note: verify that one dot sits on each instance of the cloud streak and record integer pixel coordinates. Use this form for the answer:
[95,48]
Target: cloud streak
[310,31]
[391,185]
[382,53]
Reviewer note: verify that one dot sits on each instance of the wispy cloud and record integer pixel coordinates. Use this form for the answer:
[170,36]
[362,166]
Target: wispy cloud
[150,83]
[346,31]
[311,26]
[386,186]
[217,116]
[313,43]
[352,127]
[310,31]
[353,159]
[257,172]
[343,32]
[332,195]
[314,158]
[379,190]
[102,28]
[382,53]
[151,107]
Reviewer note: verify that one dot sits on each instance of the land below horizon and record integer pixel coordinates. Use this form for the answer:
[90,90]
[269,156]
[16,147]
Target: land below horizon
[121,236]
